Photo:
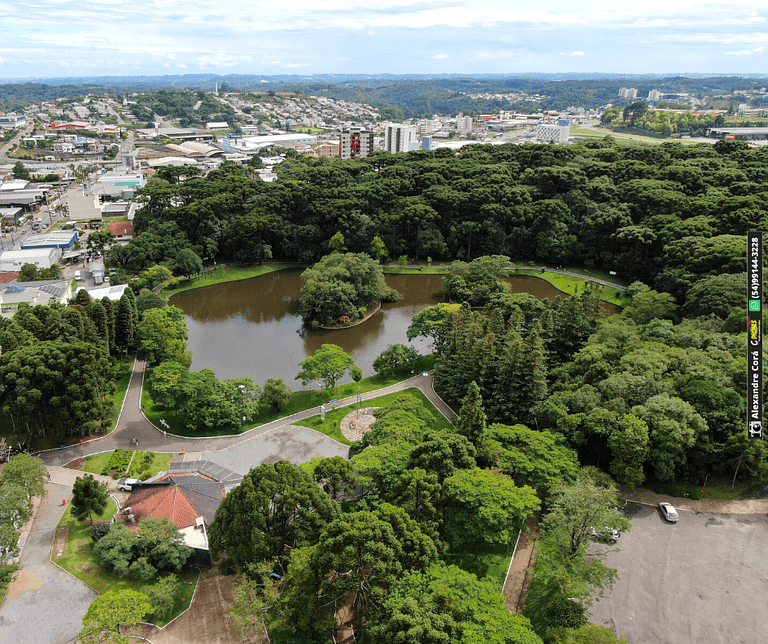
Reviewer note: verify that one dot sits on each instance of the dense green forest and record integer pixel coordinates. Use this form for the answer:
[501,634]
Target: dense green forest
[553,395]
[187,108]
[670,219]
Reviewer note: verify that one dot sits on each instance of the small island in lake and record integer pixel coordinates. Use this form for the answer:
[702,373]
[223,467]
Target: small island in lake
[339,289]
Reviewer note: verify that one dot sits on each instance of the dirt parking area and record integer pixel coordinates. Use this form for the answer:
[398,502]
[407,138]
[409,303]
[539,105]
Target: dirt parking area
[703,580]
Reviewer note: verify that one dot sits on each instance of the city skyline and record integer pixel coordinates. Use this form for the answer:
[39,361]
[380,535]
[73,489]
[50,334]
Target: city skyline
[61,38]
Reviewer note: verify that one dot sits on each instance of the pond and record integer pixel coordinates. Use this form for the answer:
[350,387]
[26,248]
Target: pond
[252,327]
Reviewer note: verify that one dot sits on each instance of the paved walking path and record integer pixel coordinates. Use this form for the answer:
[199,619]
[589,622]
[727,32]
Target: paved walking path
[44,603]
[133,423]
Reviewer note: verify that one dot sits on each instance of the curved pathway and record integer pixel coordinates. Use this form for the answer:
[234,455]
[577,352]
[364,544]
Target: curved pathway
[133,423]
[44,603]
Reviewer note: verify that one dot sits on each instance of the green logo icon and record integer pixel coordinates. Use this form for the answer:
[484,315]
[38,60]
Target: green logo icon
[754,305]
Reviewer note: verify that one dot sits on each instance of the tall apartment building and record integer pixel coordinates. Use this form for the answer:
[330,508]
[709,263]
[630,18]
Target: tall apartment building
[628,92]
[463,124]
[654,95]
[355,144]
[398,138]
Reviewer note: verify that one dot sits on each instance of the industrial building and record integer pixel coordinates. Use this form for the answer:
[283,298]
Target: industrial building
[13,260]
[65,240]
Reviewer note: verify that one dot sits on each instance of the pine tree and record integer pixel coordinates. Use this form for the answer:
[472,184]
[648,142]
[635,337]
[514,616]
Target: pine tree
[109,311]
[471,420]
[125,329]
[98,317]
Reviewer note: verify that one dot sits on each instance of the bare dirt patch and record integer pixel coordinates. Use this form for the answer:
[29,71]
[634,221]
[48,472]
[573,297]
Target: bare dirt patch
[356,423]
[519,578]
[207,619]
[60,540]
[24,582]
[76,464]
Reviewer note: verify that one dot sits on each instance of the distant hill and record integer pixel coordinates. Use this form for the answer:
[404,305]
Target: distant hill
[400,95]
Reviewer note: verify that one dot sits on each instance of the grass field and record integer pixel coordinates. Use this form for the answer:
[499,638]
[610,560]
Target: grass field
[225,274]
[79,561]
[121,386]
[330,426]
[160,462]
[300,401]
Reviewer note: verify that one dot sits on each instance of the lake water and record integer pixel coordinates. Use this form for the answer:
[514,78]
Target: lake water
[252,327]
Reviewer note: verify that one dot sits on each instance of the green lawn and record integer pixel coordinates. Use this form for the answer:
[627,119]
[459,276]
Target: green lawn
[300,401]
[571,285]
[95,464]
[124,369]
[225,274]
[414,270]
[160,462]
[330,426]
[79,561]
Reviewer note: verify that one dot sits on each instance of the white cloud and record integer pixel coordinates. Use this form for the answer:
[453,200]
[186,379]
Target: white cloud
[440,56]
[576,53]
[743,52]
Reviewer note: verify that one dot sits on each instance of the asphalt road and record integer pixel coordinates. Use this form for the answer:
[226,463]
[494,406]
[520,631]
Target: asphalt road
[44,605]
[703,580]
[294,444]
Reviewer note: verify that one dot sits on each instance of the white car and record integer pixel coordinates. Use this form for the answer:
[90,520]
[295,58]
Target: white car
[668,512]
[127,485]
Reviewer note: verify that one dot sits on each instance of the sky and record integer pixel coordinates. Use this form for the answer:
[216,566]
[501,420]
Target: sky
[64,38]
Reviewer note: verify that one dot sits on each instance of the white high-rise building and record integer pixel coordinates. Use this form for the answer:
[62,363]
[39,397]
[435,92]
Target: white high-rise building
[628,92]
[463,124]
[398,137]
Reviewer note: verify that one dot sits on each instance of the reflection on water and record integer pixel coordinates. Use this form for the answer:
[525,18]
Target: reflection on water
[252,327]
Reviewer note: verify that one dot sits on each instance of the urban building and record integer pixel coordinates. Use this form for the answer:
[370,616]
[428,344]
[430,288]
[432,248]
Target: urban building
[355,143]
[12,121]
[628,92]
[558,132]
[398,137]
[463,124]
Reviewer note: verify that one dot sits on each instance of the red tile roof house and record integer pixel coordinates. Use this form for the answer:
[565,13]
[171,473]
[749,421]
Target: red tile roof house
[123,230]
[188,499]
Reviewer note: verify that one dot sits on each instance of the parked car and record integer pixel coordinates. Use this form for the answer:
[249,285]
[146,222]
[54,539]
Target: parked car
[78,276]
[668,512]
[606,535]
[127,485]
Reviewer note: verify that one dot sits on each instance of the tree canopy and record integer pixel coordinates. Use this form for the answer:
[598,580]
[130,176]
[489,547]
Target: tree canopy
[342,286]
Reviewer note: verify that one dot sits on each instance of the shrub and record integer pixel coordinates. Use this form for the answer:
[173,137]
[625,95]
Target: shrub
[99,529]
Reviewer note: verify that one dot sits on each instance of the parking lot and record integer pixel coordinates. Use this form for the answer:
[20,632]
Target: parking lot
[703,580]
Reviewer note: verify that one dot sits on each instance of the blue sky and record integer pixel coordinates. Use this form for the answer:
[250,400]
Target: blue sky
[54,38]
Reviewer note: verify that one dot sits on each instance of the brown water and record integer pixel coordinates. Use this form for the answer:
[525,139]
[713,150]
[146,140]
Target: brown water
[252,327]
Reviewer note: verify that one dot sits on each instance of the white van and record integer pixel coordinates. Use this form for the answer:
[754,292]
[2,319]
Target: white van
[78,276]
